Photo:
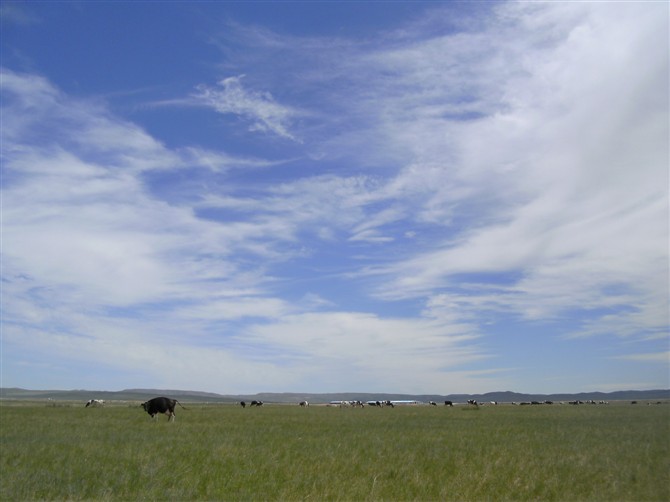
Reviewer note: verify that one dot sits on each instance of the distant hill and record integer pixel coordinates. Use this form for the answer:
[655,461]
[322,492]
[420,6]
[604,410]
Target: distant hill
[294,397]
[122,395]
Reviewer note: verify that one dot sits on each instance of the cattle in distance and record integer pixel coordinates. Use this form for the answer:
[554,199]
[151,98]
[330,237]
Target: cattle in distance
[94,403]
[161,405]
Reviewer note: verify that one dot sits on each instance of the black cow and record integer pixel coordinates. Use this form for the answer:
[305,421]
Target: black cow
[256,403]
[161,405]
[243,404]
[448,403]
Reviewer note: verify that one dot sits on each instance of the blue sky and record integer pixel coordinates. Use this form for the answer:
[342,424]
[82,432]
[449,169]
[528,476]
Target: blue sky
[418,197]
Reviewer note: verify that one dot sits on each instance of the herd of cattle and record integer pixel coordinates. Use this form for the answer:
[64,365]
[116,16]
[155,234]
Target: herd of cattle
[167,405]
[243,404]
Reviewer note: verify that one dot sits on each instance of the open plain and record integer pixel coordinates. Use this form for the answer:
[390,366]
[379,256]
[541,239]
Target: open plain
[64,451]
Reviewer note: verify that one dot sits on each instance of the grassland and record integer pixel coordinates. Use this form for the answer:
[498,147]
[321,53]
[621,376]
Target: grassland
[281,452]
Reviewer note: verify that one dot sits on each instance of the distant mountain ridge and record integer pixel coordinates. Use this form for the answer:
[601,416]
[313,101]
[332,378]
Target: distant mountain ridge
[295,397]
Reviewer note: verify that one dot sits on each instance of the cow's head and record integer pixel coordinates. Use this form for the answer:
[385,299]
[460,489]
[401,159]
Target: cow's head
[145,406]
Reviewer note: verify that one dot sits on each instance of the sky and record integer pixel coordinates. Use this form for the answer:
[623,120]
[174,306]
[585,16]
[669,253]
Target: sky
[314,196]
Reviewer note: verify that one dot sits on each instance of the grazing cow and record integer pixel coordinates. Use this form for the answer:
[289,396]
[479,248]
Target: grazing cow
[432,403]
[304,404]
[256,403]
[473,402]
[161,405]
[94,402]
[243,404]
[448,403]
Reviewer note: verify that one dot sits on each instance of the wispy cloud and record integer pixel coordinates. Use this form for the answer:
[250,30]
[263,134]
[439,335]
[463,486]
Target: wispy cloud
[660,357]
[551,184]
[14,12]
[258,107]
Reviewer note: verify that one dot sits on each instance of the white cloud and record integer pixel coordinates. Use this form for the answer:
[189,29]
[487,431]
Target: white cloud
[221,161]
[563,182]
[15,13]
[80,221]
[659,357]
[341,349]
[265,114]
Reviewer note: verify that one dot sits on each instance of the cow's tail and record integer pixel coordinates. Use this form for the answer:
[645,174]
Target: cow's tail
[181,405]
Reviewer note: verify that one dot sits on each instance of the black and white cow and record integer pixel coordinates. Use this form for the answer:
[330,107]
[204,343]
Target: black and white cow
[473,402]
[161,405]
[256,403]
[304,404]
[432,403]
[94,402]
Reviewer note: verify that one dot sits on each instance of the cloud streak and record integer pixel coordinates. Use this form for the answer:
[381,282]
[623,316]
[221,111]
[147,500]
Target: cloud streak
[259,108]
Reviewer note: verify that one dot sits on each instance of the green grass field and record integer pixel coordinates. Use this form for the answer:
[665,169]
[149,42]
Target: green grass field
[282,452]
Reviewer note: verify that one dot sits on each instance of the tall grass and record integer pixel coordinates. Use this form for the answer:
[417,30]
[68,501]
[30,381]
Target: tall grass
[288,453]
